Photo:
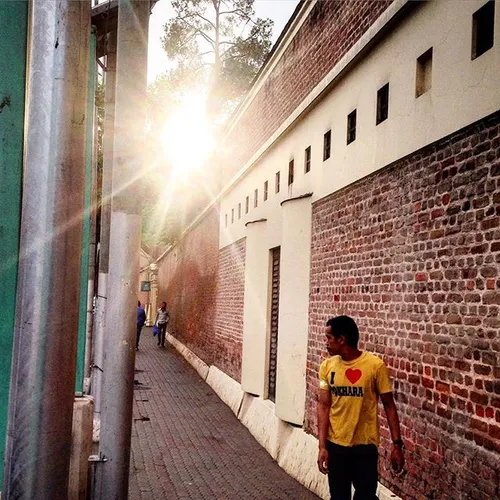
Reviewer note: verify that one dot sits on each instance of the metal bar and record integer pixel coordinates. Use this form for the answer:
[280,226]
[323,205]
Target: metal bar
[124,250]
[91,167]
[13,46]
[44,359]
[106,192]
[86,280]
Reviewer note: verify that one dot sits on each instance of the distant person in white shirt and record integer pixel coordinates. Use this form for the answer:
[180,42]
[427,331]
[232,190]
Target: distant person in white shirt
[162,317]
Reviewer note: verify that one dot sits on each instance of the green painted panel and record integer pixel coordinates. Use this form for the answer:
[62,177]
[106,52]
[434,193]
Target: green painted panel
[13,43]
[84,266]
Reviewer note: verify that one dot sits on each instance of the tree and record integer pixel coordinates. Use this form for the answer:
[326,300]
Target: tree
[218,43]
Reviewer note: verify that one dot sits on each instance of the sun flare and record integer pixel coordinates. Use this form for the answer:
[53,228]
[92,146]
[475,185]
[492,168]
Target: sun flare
[187,137]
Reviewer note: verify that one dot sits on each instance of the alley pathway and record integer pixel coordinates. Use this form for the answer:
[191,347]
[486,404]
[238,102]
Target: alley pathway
[187,444]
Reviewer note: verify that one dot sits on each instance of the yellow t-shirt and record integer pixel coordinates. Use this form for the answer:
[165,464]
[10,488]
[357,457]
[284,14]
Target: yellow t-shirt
[355,386]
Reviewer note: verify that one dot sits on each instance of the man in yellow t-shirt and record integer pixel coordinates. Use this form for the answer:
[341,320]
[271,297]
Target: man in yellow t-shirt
[350,383]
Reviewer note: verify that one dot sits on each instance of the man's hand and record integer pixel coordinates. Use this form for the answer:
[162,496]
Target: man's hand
[397,458]
[323,461]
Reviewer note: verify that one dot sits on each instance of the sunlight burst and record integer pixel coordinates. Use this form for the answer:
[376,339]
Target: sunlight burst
[187,138]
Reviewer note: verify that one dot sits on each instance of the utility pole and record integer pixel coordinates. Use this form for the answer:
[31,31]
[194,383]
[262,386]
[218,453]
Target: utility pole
[48,284]
[112,473]
[106,193]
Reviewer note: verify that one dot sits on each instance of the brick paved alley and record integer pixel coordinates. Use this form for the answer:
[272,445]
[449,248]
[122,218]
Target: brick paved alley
[187,444]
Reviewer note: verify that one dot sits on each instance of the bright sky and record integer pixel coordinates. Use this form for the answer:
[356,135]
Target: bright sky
[278,10]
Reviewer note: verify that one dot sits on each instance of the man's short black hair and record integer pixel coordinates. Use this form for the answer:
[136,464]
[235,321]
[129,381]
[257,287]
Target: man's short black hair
[346,326]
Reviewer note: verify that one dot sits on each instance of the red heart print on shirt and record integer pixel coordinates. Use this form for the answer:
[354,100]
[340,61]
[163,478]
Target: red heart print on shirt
[353,375]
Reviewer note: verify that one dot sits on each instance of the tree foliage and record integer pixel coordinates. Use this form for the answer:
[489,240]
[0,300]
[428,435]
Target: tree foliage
[219,44]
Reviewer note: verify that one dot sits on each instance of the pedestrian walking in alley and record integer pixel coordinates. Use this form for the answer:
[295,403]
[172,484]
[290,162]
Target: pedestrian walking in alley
[350,383]
[162,317]
[141,320]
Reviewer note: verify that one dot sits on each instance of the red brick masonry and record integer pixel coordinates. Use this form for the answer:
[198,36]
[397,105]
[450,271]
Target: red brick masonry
[412,252]
[331,29]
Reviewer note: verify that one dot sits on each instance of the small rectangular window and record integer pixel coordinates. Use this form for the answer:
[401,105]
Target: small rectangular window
[239,210]
[225,219]
[383,103]
[256,198]
[277,188]
[483,28]
[290,173]
[424,73]
[232,216]
[327,142]
[247,204]
[351,127]
[266,185]
[307,160]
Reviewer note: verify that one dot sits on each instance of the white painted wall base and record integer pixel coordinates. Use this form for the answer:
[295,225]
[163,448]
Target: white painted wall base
[226,388]
[201,367]
[81,447]
[295,451]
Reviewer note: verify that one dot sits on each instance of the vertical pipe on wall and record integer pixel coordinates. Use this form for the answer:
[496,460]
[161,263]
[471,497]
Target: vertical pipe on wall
[124,250]
[88,245]
[106,192]
[13,42]
[46,326]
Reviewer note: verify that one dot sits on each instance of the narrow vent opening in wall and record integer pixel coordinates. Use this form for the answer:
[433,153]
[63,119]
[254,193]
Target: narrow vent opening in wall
[274,322]
[256,198]
[383,103]
[424,73]
[327,143]
[239,210]
[307,160]
[266,190]
[351,127]
[277,187]
[247,204]
[290,172]
[483,29]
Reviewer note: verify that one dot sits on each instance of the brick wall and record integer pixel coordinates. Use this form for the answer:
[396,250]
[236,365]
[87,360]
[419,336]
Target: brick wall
[187,279]
[229,309]
[204,291]
[332,28]
[412,252]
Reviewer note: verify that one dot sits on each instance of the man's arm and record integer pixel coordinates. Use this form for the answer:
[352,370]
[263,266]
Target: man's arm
[397,456]
[324,404]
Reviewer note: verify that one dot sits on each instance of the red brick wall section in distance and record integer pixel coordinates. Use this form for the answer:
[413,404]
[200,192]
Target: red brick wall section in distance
[187,280]
[331,29]
[229,309]
[412,253]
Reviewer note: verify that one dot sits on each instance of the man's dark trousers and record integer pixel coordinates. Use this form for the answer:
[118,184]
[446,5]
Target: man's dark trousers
[353,465]
[162,329]
[138,337]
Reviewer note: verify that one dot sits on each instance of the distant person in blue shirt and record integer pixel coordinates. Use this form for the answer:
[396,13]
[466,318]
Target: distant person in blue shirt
[141,319]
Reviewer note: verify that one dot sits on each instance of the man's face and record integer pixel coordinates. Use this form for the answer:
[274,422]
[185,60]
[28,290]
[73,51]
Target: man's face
[333,345]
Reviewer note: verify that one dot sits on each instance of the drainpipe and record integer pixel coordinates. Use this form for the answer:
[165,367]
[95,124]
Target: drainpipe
[48,285]
[106,192]
[112,473]
[89,229]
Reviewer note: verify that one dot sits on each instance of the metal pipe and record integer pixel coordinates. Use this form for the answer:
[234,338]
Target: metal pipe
[91,158]
[106,192]
[124,250]
[46,328]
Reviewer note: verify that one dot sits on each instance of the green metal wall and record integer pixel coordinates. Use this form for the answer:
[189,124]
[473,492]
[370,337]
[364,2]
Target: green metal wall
[84,269]
[13,43]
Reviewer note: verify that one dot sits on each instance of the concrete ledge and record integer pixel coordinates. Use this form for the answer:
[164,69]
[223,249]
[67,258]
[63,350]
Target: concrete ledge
[298,457]
[200,366]
[81,448]
[226,388]
[257,415]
